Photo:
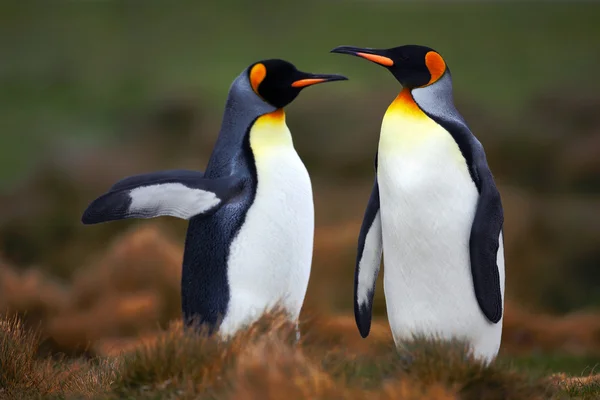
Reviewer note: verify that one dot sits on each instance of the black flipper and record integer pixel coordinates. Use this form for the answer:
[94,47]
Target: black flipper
[177,193]
[437,102]
[487,223]
[368,262]
[485,236]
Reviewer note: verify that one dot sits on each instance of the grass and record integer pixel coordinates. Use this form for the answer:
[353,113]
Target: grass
[581,388]
[558,362]
[25,375]
[265,362]
[109,334]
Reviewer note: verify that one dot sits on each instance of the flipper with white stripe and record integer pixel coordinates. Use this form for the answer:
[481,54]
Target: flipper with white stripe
[176,193]
[368,261]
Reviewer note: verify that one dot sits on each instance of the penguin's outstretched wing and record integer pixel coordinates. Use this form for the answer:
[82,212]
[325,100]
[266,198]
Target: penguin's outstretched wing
[177,193]
[368,261]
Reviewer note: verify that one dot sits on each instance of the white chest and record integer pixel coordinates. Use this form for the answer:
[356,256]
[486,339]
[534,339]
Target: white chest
[428,202]
[270,258]
[424,181]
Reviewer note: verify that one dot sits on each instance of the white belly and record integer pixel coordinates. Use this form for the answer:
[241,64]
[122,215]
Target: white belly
[428,203]
[270,258]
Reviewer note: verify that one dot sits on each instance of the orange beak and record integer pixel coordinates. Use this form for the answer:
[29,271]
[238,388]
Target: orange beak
[307,82]
[368,54]
[313,79]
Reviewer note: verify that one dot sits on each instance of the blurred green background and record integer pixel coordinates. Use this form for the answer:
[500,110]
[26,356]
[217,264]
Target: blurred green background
[92,91]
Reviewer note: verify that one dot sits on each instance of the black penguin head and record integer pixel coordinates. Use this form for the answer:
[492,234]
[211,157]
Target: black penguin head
[278,82]
[413,66]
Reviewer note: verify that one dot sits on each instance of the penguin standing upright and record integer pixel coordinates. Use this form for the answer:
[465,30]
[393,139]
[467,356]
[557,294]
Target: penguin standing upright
[434,212]
[251,213]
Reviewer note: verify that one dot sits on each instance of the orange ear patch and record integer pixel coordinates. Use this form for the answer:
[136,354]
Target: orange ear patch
[436,65]
[257,75]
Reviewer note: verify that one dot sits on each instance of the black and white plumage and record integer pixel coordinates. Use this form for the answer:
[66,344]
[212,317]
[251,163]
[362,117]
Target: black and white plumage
[251,215]
[438,210]
[176,193]
[370,249]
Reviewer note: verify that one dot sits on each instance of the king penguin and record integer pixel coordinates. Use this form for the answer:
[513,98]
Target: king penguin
[250,235]
[434,213]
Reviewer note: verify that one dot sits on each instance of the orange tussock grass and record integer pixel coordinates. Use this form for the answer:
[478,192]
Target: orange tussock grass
[272,370]
[25,375]
[584,387]
[265,362]
[576,333]
[325,330]
[133,290]
[261,362]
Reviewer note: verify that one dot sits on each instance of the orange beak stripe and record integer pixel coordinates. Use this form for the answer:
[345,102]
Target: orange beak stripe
[388,62]
[307,82]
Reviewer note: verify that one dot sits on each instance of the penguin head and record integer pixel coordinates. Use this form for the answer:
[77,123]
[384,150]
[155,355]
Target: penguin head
[278,82]
[413,66]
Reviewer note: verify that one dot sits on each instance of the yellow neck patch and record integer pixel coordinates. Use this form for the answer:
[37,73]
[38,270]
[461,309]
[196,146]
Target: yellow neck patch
[404,126]
[405,104]
[406,130]
[269,133]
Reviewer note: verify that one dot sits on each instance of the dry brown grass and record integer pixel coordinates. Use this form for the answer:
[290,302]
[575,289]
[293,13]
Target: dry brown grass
[116,312]
[265,362]
[133,290]
[20,372]
[585,387]
[525,331]
[23,374]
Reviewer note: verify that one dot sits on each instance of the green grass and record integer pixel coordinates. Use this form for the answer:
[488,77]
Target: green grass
[557,362]
[76,69]
[589,390]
